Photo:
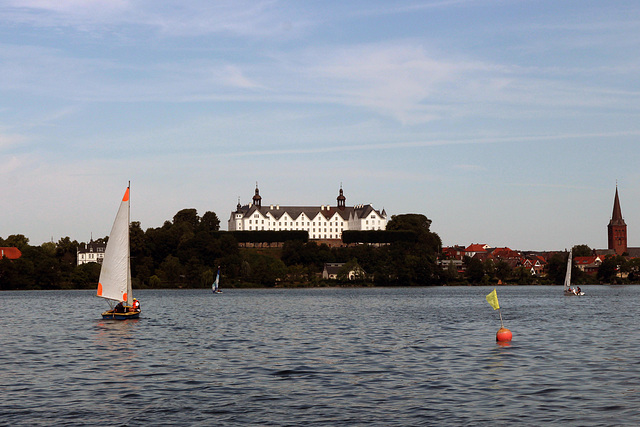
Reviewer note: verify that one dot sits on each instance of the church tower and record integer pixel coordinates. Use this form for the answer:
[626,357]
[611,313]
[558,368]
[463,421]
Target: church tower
[617,229]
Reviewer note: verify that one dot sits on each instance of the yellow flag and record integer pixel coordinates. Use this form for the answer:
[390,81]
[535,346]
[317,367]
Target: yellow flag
[492,299]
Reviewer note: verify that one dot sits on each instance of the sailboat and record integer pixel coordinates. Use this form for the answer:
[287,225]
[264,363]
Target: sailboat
[215,287]
[114,283]
[567,278]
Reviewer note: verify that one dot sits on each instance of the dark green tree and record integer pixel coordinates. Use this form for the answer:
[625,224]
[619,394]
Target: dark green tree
[609,269]
[17,240]
[503,270]
[475,270]
[210,222]
[556,268]
[582,250]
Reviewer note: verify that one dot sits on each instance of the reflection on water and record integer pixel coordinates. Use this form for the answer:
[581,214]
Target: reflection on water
[408,356]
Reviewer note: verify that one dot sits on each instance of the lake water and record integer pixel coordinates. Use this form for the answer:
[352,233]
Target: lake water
[326,357]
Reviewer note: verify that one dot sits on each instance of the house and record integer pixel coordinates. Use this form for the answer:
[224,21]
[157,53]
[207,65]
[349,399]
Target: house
[476,248]
[588,264]
[446,264]
[536,264]
[91,252]
[454,252]
[331,271]
[10,252]
[508,255]
[324,222]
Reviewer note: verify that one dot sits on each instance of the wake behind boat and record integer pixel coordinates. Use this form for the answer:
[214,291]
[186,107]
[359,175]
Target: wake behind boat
[114,283]
[568,291]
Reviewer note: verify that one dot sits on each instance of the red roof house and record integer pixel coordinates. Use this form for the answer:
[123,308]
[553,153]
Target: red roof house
[10,252]
[588,264]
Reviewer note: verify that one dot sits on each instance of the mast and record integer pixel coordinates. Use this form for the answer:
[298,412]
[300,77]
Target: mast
[129,288]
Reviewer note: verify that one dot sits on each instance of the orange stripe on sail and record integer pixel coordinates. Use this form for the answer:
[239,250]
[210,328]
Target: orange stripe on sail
[126,195]
[99,289]
[124,296]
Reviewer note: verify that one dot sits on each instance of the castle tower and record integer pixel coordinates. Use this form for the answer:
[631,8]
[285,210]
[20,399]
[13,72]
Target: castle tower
[257,199]
[617,229]
[341,199]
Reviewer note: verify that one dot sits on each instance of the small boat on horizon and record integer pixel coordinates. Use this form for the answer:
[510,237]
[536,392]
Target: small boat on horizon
[215,287]
[568,291]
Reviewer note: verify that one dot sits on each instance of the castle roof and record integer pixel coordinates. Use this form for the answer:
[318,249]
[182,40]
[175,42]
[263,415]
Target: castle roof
[294,212]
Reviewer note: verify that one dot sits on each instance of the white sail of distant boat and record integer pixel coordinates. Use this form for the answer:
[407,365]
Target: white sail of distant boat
[215,287]
[115,275]
[567,277]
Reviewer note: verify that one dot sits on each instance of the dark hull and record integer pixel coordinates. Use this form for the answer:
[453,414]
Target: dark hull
[120,316]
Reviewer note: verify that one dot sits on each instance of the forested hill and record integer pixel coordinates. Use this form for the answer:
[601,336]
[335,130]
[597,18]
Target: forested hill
[186,252]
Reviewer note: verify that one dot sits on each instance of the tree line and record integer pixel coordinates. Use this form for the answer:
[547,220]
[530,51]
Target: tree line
[187,250]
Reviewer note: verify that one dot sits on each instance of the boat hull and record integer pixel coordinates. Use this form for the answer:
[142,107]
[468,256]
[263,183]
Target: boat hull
[569,294]
[111,315]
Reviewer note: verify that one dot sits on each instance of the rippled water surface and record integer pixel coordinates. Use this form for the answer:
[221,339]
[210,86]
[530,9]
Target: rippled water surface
[407,356]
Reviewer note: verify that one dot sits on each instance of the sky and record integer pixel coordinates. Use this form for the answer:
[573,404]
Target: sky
[505,122]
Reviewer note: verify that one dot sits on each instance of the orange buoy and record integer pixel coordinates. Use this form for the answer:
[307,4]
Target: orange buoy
[503,335]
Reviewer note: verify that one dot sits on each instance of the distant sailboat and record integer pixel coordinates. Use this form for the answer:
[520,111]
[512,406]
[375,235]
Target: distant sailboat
[567,278]
[114,283]
[215,287]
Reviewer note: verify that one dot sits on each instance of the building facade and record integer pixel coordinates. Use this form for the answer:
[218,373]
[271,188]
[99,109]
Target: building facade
[617,228]
[321,222]
[91,252]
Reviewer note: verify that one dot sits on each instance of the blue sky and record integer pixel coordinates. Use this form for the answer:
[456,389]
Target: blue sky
[505,122]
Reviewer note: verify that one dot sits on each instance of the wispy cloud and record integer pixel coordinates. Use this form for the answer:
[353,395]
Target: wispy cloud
[396,145]
[170,18]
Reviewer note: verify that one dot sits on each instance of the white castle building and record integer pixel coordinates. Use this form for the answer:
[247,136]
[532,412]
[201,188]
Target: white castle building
[321,222]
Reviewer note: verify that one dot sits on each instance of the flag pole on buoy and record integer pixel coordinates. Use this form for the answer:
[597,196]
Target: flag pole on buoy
[503,334]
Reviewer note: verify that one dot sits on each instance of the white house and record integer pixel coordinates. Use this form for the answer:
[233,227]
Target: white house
[91,252]
[331,271]
[321,222]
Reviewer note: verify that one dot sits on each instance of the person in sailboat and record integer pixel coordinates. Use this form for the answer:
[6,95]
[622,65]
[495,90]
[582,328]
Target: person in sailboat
[136,305]
[119,308]
[578,290]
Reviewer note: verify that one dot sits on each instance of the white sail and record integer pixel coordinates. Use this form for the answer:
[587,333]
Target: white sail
[567,277]
[216,283]
[115,275]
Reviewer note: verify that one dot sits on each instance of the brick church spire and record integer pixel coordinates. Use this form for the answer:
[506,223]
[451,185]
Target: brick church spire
[617,228]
